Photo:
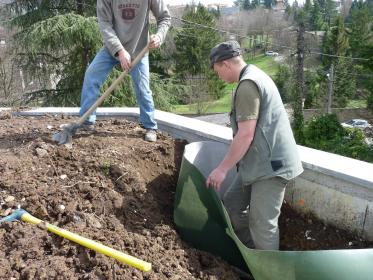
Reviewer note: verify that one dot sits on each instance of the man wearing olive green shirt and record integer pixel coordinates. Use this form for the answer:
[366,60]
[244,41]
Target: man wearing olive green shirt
[263,149]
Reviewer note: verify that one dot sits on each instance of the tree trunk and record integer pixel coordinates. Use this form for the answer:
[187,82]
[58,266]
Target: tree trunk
[79,7]
[300,63]
[299,89]
[330,89]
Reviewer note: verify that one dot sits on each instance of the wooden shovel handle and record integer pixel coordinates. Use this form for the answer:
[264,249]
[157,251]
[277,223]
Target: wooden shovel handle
[113,86]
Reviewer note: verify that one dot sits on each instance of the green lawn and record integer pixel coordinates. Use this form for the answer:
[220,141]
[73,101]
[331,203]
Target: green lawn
[357,104]
[266,63]
[218,106]
[222,105]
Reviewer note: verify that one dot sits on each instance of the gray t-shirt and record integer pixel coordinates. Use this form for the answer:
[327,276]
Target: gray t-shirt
[125,23]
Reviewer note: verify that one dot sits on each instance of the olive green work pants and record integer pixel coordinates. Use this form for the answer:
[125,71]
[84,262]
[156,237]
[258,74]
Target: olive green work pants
[254,211]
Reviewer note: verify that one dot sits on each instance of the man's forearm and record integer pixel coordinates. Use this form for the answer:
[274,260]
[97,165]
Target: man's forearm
[163,18]
[240,144]
[236,151]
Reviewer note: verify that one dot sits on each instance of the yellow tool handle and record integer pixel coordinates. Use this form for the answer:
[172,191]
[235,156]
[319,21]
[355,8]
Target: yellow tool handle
[122,257]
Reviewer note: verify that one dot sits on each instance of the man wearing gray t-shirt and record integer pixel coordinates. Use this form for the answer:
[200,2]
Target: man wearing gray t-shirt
[124,25]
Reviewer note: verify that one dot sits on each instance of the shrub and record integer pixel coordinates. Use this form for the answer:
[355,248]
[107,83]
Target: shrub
[323,131]
[327,134]
[282,80]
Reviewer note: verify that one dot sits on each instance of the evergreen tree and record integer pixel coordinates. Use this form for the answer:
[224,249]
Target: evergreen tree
[361,41]
[295,5]
[314,81]
[56,40]
[344,83]
[307,6]
[367,53]
[355,5]
[360,26]
[193,45]
[255,4]
[160,59]
[322,14]
[329,10]
[282,79]
[238,3]
[336,43]
[299,91]
[316,19]
[29,12]
[269,3]
[246,5]
[370,6]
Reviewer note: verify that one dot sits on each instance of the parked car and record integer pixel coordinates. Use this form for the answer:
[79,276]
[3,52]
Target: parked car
[358,123]
[271,53]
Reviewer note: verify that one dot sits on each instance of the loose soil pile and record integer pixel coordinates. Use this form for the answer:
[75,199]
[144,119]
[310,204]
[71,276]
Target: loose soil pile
[113,187]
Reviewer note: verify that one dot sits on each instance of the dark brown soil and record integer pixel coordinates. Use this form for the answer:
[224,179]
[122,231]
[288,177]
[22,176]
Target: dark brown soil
[113,187]
[305,232]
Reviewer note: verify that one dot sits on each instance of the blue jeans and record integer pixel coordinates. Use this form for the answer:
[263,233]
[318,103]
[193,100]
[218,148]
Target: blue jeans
[95,76]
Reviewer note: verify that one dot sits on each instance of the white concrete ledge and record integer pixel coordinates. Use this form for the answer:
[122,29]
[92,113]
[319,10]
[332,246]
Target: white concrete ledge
[341,167]
[178,126]
[337,189]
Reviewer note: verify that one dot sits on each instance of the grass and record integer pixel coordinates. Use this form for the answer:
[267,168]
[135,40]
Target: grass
[266,63]
[223,105]
[355,104]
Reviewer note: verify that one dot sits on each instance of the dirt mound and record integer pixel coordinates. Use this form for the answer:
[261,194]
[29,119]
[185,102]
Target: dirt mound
[111,186]
[114,188]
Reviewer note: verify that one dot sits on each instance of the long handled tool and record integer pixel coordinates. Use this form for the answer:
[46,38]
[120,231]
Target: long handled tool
[65,136]
[23,215]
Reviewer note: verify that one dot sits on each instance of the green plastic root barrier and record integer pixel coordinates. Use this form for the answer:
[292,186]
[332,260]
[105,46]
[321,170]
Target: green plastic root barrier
[202,220]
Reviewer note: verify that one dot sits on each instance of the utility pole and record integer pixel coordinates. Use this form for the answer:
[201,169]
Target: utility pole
[300,64]
[299,88]
[80,7]
[330,76]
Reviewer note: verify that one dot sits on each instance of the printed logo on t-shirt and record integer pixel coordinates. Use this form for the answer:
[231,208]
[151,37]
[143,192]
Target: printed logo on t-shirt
[129,10]
[128,14]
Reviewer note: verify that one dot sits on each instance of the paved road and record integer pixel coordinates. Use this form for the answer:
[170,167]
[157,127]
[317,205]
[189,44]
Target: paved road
[221,119]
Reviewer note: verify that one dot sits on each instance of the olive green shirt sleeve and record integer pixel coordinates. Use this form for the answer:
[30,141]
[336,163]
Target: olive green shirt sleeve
[247,101]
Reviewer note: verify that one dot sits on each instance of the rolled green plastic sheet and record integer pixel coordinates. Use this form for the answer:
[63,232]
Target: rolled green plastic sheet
[202,220]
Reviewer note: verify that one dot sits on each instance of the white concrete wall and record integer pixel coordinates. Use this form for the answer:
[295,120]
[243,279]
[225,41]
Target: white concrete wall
[337,189]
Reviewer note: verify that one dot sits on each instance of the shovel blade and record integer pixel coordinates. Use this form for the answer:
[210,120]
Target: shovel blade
[63,137]
[66,135]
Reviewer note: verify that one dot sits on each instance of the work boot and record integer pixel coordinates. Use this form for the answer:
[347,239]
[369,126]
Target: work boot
[150,135]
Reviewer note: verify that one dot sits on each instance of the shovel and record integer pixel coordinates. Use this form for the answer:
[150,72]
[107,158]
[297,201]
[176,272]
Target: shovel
[23,215]
[65,136]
